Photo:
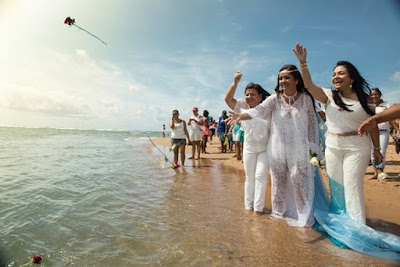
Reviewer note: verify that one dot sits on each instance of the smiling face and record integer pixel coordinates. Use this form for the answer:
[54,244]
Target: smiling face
[287,82]
[341,79]
[253,98]
[375,97]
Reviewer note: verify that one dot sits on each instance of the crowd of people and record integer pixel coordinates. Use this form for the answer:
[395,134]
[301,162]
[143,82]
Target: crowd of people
[278,133]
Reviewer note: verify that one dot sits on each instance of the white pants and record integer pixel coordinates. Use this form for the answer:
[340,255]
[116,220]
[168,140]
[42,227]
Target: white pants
[347,168]
[256,168]
[383,143]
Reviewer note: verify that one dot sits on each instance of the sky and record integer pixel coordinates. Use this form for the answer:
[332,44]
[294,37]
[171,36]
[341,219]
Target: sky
[176,54]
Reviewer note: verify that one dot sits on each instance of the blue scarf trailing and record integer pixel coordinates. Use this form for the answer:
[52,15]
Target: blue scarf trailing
[331,217]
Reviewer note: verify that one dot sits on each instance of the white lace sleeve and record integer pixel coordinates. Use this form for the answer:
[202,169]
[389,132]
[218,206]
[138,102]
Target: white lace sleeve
[263,110]
[313,133]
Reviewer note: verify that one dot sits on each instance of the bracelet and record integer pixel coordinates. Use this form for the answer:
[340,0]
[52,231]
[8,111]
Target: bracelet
[303,65]
[377,148]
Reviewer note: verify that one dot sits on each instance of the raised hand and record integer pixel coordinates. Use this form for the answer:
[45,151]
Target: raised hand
[237,77]
[301,53]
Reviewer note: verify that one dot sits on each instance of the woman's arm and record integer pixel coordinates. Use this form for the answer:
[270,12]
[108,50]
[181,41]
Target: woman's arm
[395,126]
[229,96]
[315,90]
[389,114]
[374,133]
[237,117]
[172,123]
[262,111]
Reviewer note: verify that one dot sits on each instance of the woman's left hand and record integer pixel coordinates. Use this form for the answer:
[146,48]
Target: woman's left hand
[233,119]
[301,53]
[378,157]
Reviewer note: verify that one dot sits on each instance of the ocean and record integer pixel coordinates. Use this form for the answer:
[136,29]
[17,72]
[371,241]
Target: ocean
[108,198]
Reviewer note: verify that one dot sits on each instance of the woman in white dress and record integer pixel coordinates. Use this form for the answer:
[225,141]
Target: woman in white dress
[294,134]
[347,155]
[255,159]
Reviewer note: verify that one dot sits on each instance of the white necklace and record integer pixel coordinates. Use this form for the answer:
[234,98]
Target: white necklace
[290,97]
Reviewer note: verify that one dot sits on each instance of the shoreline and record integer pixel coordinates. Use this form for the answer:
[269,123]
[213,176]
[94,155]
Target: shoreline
[381,198]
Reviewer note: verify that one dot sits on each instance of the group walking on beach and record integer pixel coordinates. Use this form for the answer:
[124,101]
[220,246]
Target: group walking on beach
[292,133]
[346,127]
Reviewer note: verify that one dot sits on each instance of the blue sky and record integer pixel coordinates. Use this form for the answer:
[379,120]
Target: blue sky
[163,55]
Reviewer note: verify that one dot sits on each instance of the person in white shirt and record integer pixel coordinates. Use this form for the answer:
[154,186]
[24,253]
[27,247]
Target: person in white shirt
[390,114]
[255,160]
[179,134]
[195,132]
[384,131]
[347,155]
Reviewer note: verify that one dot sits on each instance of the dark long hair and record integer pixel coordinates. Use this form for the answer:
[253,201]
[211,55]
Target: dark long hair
[360,86]
[300,83]
[261,91]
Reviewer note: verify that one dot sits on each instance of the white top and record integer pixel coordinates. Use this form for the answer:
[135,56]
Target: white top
[195,128]
[178,131]
[340,121]
[378,109]
[256,131]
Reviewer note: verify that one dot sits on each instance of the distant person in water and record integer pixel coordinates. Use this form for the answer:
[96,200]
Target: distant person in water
[163,130]
[179,134]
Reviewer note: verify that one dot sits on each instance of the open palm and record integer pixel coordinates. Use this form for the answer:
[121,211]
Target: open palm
[300,52]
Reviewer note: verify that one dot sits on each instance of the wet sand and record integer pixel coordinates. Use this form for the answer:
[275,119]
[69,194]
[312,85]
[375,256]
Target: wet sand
[207,202]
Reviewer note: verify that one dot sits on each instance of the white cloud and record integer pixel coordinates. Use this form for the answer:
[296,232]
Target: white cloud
[241,61]
[237,26]
[272,78]
[396,76]
[69,85]
[286,28]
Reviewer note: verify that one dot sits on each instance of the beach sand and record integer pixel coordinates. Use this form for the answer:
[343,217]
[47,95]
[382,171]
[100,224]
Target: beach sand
[382,201]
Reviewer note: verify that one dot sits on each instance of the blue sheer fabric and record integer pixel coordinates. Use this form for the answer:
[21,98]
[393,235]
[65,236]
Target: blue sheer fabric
[331,218]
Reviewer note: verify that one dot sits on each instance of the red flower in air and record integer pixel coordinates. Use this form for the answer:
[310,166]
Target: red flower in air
[37,259]
[69,21]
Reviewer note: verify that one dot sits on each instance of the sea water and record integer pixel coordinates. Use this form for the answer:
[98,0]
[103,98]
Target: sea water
[80,196]
[108,198]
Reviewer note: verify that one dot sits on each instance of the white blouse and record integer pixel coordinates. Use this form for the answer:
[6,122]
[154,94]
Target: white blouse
[340,121]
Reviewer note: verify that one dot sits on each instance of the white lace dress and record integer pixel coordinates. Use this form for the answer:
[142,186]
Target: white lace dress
[294,133]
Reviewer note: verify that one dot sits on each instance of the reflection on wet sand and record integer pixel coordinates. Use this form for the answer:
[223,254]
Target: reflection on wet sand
[209,226]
